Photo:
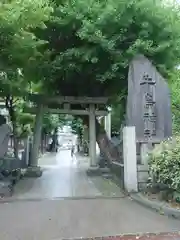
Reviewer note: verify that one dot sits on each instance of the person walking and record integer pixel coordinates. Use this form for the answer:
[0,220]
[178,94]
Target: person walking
[72,151]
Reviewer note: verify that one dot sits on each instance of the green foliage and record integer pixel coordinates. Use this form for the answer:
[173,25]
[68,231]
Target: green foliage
[77,125]
[116,118]
[17,19]
[18,45]
[52,122]
[174,83]
[118,112]
[19,48]
[90,47]
[84,51]
[164,163]
[24,124]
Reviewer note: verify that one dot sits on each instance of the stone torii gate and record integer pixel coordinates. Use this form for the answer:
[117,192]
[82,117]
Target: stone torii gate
[91,106]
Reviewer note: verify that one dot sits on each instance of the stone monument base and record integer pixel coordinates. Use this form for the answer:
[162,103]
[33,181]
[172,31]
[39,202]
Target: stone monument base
[33,172]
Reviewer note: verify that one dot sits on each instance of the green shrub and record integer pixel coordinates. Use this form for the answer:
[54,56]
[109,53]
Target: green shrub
[164,163]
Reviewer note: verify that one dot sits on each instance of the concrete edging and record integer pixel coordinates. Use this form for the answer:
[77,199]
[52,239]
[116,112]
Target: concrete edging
[155,205]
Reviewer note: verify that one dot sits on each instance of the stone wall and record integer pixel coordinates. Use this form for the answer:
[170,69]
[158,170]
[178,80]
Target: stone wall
[143,175]
[117,170]
[142,162]
[142,170]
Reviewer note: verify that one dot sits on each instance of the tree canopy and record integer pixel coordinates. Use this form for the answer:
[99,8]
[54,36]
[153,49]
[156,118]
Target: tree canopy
[19,48]
[79,48]
[90,44]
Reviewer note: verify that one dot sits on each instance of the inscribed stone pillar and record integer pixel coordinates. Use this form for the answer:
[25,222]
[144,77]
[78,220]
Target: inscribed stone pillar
[36,137]
[92,136]
[130,159]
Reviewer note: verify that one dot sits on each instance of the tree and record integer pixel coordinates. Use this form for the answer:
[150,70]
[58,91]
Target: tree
[18,43]
[82,47]
[18,49]
[89,48]
[94,45]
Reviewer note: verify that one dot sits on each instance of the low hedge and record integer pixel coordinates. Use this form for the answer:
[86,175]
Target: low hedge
[164,163]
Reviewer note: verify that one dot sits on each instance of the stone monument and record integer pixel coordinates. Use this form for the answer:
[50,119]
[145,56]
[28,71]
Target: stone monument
[5,133]
[148,102]
[9,166]
[148,109]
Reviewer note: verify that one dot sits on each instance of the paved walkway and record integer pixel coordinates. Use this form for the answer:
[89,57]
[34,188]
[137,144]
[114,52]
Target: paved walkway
[83,207]
[64,177]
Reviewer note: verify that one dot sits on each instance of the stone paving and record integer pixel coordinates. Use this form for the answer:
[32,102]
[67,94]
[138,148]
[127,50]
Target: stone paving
[64,177]
[82,206]
[57,219]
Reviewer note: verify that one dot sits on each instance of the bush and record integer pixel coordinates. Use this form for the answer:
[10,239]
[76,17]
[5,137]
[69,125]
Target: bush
[164,163]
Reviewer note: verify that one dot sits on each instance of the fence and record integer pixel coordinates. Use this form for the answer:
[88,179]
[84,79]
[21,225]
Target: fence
[117,167]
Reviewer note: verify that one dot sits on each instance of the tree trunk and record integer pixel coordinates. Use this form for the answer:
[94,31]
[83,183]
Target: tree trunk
[108,151]
[12,114]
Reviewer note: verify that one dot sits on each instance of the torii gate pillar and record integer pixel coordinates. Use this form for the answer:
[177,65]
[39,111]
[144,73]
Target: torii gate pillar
[33,169]
[92,136]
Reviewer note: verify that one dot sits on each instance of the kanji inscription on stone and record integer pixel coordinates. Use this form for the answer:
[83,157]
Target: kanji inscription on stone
[149,115]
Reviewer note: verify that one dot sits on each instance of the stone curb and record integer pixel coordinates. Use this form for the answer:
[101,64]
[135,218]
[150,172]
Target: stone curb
[13,199]
[153,236]
[155,205]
